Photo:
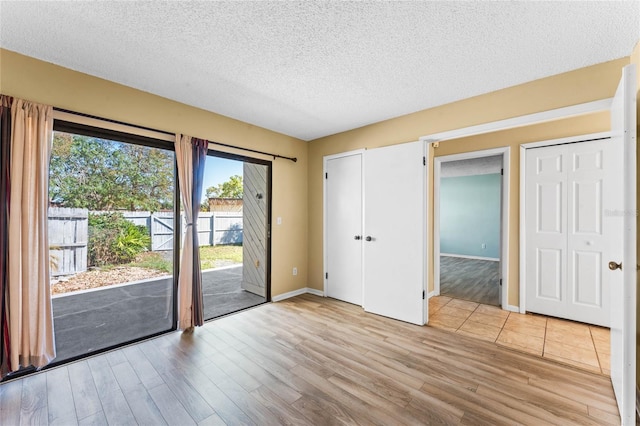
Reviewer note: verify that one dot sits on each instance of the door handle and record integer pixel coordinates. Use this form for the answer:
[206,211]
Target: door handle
[368,238]
[613,265]
[357,237]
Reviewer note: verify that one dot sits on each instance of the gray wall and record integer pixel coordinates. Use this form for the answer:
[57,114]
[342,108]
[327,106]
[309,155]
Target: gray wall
[470,215]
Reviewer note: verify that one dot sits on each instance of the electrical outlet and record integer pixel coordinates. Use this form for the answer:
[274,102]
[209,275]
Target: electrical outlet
[295,271]
[279,220]
[484,246]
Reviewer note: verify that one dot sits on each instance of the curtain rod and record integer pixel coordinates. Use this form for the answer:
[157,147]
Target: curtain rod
[294,159]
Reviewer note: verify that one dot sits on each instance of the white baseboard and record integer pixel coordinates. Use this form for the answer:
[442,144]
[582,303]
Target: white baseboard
[298,292]
[464,256]
[431,294]
[315,292]
[511,308]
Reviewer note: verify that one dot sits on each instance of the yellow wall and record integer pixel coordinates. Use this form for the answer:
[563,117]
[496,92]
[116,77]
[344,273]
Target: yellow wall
[31,79]
[297,193]
[571,88]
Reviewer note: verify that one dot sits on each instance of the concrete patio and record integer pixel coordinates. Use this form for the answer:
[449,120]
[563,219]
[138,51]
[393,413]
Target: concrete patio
[96,319]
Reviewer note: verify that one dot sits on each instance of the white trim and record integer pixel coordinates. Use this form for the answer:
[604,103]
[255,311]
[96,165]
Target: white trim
[315,292]
[289,294]
[504,229]
[431,294]
[570,139]
[105,124]
[437,170]
[363,200]
[425,232]
[342,154]
[504,219]
[325,259]
[295,293]
[511,308]
[523,232]
[472,154]
[464,256]
[521,121]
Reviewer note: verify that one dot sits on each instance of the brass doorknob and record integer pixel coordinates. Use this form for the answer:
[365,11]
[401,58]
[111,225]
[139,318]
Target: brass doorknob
[613,265]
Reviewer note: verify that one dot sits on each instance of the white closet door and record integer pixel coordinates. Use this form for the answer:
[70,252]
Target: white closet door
[569,189]
[395,223]
[344,224]
[623,284]
[594,185]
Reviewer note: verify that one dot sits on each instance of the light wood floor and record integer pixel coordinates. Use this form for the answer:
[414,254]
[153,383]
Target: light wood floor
[470,279]
[311,360]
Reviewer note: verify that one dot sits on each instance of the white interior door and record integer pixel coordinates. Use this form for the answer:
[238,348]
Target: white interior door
[569,189]
[395,224]
[624,281]
[343,210]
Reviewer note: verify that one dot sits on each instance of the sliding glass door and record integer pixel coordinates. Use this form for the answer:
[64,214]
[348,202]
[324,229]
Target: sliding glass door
[114,221]
[234,232]
[111,238]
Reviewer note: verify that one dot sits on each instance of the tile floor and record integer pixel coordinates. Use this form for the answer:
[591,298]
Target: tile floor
[580,345]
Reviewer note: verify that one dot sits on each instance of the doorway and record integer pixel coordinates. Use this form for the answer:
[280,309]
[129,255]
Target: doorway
[470,246]
[234,228]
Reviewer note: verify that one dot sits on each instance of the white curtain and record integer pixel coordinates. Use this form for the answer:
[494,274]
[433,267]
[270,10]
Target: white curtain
[29,297]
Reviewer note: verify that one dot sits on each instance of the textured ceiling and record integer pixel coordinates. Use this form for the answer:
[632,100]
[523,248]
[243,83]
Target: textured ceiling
[471,167]
[310,69]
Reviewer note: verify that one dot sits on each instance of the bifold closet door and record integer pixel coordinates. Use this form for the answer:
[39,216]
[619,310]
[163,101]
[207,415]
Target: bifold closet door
[343,211]
[569,232]
[394,232]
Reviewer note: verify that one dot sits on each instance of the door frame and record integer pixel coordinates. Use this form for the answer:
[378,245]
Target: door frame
[325,254]
[523,219]
[504,215]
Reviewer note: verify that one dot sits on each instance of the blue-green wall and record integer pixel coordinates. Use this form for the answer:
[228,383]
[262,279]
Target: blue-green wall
[470,215]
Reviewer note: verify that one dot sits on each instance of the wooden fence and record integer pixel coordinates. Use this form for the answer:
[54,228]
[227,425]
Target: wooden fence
[68,240]
[69,233]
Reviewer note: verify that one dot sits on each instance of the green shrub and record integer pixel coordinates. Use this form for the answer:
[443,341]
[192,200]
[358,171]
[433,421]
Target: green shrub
[114,240]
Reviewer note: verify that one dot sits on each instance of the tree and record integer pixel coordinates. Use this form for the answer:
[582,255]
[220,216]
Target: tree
[100,174]
[233,188]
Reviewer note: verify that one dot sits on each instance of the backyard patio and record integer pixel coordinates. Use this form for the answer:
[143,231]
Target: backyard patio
[95,319]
